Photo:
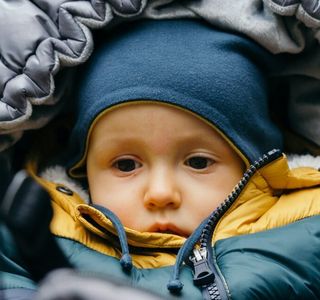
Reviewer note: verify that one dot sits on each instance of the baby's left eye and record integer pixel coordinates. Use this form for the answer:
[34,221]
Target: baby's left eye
[199,162]
[126,165]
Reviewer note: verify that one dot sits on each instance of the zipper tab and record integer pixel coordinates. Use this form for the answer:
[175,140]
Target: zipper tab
[203,275]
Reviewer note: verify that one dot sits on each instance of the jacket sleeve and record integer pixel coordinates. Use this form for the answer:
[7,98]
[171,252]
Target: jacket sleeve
[14,277]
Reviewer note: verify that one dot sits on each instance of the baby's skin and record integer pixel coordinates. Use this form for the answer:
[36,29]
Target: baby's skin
[159,168]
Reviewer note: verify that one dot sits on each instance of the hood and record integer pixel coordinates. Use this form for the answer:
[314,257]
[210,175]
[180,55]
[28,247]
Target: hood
[218,76]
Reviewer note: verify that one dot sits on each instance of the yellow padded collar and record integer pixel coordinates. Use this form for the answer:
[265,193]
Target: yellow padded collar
[71,221]
[275,196]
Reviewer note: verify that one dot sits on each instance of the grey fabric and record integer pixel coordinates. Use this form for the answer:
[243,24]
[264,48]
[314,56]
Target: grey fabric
[68,284]
[281,26]
[40,38]
[17,294]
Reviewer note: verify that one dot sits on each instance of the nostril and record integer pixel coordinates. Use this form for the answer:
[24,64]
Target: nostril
[172,204]
[152,205]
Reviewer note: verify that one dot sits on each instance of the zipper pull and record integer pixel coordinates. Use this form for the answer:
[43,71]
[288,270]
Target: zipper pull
[203,274]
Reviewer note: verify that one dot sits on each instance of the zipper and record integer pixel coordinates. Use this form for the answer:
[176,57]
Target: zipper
[207,276]
[206,273]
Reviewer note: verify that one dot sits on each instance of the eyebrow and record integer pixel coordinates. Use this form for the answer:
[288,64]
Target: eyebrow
[115,140]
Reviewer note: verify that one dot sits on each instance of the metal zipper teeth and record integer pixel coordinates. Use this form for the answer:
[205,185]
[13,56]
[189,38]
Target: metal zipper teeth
[207,232]
[216,289]
[213,291]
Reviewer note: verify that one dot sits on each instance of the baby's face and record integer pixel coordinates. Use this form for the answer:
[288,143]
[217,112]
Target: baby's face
[158,168]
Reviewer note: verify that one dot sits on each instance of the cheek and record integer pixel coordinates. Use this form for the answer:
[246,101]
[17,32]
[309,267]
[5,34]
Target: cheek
[111,193]
[206,193]
[199,197]
[122,198]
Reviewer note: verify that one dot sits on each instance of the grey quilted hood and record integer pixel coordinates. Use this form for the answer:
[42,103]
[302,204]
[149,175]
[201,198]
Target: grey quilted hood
[42,40]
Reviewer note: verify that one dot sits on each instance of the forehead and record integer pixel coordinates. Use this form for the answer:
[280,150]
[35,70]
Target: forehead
[161,129]
[151,119]
[138,119]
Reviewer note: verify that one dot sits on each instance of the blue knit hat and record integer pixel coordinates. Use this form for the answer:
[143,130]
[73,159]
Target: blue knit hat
[217,75]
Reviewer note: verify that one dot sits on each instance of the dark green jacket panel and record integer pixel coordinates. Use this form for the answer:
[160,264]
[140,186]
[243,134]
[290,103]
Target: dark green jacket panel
[155,280]
[282,263]
[12,273]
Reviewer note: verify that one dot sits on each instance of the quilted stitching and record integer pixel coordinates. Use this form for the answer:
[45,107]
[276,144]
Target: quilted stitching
[40,37]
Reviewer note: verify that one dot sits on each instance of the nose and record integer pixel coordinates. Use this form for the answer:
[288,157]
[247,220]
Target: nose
[162,191]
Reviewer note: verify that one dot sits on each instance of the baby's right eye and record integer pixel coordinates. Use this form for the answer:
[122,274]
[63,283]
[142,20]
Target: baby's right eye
[126,165]
[199,162]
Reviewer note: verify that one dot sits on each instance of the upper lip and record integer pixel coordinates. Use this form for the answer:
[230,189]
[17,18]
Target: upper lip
[167,228]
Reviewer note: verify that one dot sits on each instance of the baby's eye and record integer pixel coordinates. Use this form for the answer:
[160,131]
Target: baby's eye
[126,165]
[199,162]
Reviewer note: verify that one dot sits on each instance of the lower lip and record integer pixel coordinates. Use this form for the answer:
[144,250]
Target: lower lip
[167,231]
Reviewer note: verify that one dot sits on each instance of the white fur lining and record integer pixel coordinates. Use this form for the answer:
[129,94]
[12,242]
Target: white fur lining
[296,161]
[58,174]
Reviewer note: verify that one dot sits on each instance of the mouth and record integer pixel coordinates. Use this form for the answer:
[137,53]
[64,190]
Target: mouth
[167,229]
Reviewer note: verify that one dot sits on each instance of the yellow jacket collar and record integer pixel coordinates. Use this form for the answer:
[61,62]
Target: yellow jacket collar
[275,196]
[89,218]
[102,226]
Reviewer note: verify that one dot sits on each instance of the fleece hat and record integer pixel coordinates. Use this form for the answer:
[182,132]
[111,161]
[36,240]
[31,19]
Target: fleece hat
[220,76]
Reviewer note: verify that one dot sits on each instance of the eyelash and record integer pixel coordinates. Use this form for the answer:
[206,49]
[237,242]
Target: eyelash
[198,161]
[121,166]
[127,165]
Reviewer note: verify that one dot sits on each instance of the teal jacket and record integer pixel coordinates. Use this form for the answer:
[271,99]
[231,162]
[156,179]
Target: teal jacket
[265,243]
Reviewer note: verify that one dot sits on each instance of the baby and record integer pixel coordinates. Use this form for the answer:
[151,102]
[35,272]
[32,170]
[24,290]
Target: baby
[156,177]
[170,114]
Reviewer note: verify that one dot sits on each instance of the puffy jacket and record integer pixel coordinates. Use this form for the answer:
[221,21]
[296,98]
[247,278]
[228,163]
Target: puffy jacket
[34,78]
[264,245]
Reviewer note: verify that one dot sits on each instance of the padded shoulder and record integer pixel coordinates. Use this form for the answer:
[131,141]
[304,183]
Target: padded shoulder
[273,264]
